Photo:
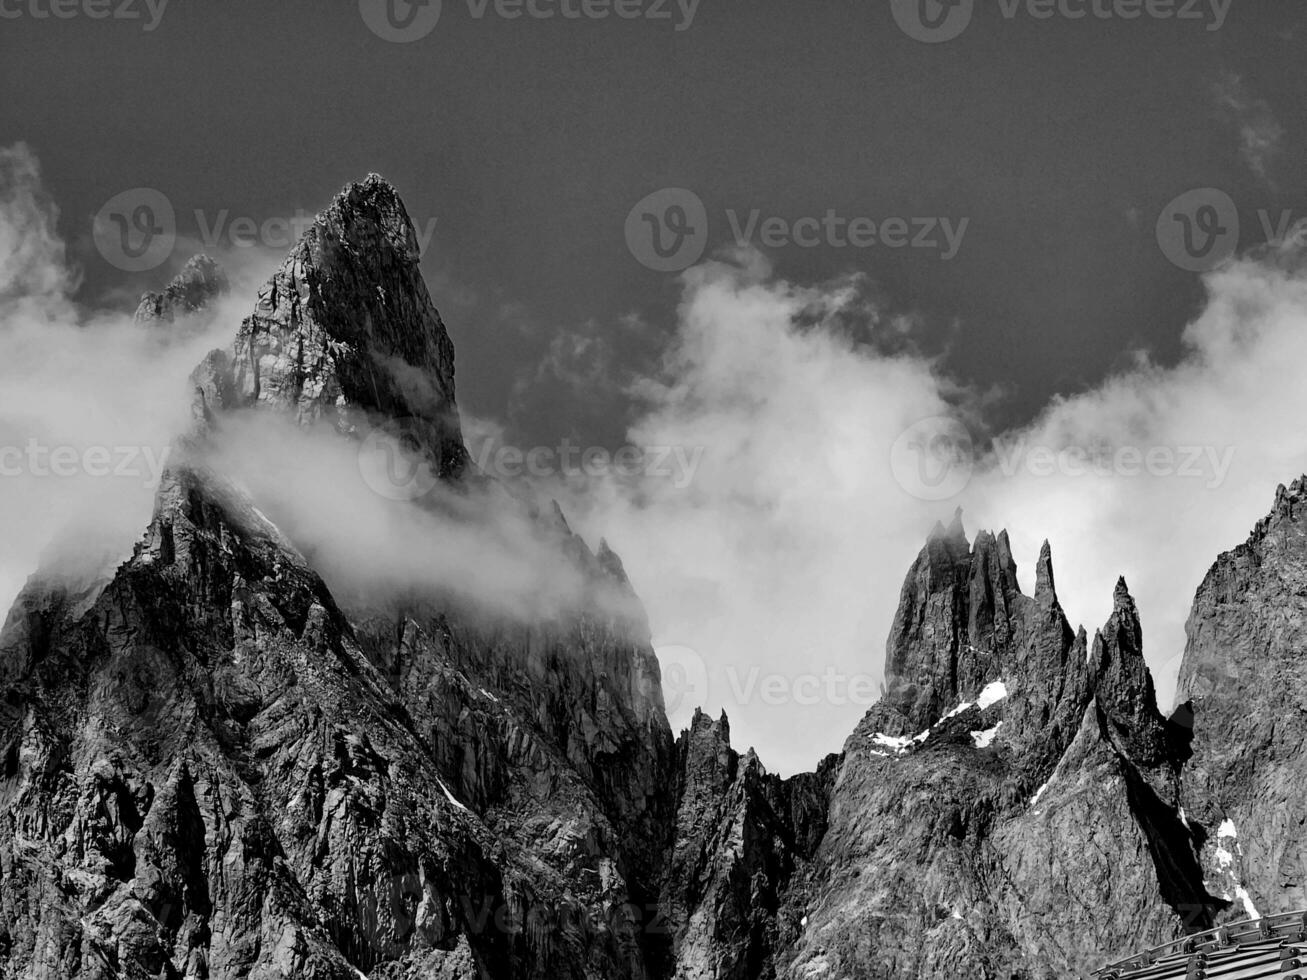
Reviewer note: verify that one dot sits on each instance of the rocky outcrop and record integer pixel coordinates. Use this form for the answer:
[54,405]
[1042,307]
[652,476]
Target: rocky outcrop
[215,769]
[1007,810]
[201,281]
[212,765]
[1244,683]
[741,836]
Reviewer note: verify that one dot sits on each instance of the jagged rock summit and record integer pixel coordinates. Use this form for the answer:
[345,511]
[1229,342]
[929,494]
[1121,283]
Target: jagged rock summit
[213,766]
[200,281]
[215,770]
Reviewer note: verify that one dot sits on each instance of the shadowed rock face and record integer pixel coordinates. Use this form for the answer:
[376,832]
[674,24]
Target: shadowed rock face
[1244,678]
[212,766]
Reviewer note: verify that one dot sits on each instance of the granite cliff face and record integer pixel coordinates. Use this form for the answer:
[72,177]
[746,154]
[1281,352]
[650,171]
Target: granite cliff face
[213,769]
[215,765]
[1244,681]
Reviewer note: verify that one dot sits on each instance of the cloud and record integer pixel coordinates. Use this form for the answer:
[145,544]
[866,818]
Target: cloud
[89,401]
[481,545]
[1260,132]
[91,404]
[781,563]
[771,575]
[783,556]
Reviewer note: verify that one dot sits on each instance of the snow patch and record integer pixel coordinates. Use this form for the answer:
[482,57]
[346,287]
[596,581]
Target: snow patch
[984,739]
[450,796]
[1034,800]
[1227,829]
[894,742]
[992,695]
[1241,893]
[489,695]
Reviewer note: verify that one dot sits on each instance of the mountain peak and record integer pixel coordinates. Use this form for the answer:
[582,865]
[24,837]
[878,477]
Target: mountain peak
[345,332]
[1045,584]
[1124,684]
[200,281]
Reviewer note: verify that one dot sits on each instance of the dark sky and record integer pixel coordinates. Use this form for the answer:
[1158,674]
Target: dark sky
[530,140]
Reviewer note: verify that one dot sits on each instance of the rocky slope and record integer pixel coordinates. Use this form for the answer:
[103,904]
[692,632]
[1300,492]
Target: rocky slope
[230,761]
[1244,677]
[212,771]
[1009,808]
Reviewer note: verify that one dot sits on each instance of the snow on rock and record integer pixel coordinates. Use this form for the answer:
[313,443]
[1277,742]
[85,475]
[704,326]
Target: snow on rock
[992,695]
[1241,893]
[896,743]
[1229,881]
[450,796]
[1034,800]
[984,739]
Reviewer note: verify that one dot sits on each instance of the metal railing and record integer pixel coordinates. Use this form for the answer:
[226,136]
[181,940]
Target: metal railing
[1266,947]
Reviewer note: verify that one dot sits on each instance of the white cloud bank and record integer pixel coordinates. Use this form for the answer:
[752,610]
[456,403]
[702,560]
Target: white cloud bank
[89,401]
[771,578]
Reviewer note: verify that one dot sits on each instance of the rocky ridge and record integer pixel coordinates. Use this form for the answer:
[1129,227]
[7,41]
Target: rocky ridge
[215,766]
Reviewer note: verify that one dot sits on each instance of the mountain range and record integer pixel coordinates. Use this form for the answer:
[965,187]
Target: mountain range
[224,759]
